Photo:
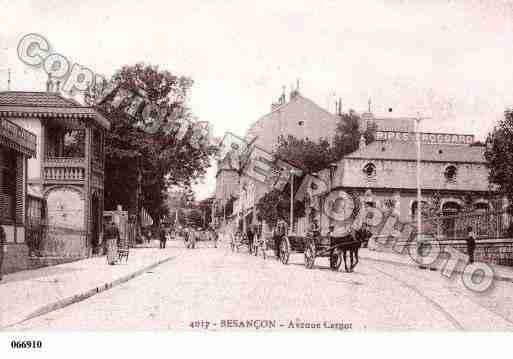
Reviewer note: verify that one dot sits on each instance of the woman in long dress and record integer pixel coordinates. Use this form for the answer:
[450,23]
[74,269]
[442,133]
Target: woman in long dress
[112,236]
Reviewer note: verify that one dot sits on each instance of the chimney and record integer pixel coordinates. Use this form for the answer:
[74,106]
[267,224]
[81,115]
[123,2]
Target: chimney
[362,144]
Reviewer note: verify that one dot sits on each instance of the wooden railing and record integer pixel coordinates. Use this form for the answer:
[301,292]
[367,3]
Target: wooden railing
[64,169]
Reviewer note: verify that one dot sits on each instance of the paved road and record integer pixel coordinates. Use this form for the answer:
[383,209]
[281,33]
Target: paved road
[225,288]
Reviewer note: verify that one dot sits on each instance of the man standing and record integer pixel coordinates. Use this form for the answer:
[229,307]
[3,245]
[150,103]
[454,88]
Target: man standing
[163,237]
[471,244]
[2,245]
[251,238]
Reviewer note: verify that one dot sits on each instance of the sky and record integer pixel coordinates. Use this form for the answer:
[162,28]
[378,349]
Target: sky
[448,60]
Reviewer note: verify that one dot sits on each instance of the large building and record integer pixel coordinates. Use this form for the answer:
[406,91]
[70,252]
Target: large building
[68,169]
[383,175]
[299,117]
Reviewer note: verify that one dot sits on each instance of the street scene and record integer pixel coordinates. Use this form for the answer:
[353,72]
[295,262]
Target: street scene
[272,167]
[209,295]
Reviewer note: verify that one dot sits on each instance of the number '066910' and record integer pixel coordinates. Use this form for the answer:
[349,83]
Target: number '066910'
[26,344]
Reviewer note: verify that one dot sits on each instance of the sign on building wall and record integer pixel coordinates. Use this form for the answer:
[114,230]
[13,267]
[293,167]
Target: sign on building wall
[426,137]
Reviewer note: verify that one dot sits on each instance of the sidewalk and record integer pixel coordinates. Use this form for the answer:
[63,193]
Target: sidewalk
[27,294]
[502,273]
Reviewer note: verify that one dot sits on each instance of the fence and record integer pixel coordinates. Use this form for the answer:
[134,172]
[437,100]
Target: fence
[486,225]
[494,231]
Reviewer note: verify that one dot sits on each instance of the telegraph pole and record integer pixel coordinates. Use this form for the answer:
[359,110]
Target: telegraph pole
[419,191]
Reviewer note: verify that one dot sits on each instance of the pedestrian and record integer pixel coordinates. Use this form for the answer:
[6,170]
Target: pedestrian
[251,237]
[111,234]
[3,242]
[215,236]
[163,237]
[471,244]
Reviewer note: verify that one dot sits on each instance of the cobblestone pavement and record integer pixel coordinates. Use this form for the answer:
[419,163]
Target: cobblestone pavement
[224,289]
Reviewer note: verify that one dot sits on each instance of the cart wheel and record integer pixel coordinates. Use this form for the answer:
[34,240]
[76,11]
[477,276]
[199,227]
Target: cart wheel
[285,250]
[309,255]
[336,259]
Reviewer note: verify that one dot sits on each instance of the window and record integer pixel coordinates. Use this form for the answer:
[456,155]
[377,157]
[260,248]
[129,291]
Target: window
[7,185]
[301,123]
[450,173]
[65,142]
[369,169]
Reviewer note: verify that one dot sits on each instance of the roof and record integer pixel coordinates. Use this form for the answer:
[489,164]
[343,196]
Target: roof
[46,105]
[38,99]
[407,151]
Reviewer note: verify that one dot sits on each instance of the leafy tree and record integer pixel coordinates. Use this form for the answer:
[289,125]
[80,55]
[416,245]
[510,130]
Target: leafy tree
[146,147]
[275,205]
[314,156]
[349,133]
[305,154]
[499,154]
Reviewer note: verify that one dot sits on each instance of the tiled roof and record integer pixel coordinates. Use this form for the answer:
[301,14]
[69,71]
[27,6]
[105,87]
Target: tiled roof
[36,99]
[407,151]
[46,105]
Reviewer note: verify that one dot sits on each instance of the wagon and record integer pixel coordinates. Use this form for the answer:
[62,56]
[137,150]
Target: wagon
[238,240]
[315,246]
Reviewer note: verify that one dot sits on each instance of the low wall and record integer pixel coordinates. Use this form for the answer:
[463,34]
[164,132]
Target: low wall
[494,251]
[15,258]
[64,243]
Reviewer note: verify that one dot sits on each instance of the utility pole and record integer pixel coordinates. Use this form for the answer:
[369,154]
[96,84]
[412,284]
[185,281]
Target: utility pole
[291,202]
[419,191]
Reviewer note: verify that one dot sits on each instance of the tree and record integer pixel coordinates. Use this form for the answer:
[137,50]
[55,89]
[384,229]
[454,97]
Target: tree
[313,156]
[152,146]
[275,205]
[499,155]
[349,133]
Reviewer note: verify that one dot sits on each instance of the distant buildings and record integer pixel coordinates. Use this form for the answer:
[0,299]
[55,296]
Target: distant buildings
[380,175]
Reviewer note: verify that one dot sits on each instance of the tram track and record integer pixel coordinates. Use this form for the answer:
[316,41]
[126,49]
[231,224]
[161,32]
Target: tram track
[456,324]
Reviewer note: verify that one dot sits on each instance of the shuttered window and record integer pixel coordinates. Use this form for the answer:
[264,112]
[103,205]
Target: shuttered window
[7,185]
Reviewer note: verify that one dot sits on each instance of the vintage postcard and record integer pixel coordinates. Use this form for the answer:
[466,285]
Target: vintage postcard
[241,167]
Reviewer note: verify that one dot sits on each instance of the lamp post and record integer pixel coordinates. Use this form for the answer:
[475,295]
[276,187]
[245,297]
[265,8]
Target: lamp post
[419,192]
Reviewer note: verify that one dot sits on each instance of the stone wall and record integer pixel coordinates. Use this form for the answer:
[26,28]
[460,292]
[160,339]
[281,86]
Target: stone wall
[15,257]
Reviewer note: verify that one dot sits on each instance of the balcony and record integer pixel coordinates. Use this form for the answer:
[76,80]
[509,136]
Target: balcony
[64,170]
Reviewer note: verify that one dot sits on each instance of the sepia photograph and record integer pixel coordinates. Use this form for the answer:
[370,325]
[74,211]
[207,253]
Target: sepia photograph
[229,167]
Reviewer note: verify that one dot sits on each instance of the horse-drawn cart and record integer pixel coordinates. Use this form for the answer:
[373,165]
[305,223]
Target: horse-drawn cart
[314,246]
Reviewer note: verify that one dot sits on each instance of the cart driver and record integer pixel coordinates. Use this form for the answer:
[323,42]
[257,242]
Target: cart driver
[314,228]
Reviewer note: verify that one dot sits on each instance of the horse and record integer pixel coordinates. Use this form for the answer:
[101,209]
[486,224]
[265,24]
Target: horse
[350,244]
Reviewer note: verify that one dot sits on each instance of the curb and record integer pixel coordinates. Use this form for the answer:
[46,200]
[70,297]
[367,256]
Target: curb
[414,265]
[86,294]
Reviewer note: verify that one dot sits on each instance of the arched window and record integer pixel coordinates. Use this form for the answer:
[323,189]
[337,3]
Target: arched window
[369,169]
[450,173]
